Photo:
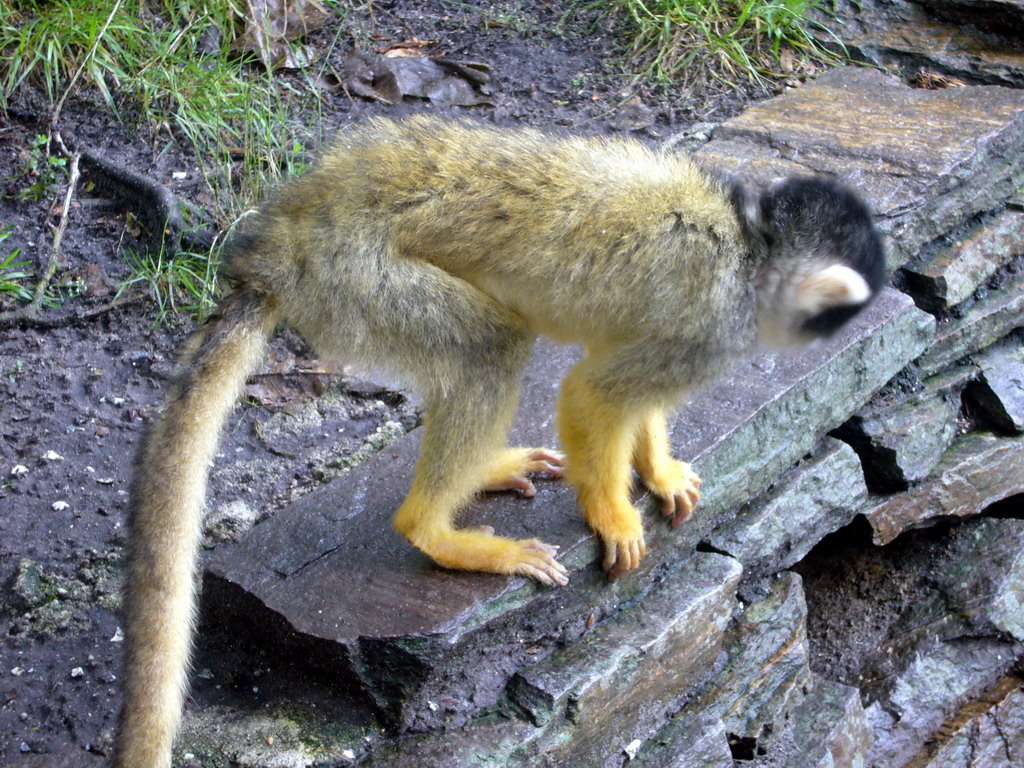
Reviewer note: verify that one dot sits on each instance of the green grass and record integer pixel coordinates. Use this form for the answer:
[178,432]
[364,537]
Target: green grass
[44,169]
[12,276]
[18,282]
[728,39]
[182,282]
[142,60]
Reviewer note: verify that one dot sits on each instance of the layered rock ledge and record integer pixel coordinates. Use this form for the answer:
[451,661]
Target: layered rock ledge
[728,643]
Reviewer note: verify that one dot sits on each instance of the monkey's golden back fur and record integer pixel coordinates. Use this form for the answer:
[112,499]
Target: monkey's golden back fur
[551,228]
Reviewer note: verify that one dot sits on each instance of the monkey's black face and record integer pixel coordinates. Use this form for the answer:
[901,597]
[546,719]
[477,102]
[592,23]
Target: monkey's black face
[824,260]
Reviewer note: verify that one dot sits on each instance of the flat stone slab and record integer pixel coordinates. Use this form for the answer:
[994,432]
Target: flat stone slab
[953,272]
[820,496]
[594,702]
[977,471]
[494,741]
[685,617]
[970,39]
[933,688]
[987,320]
[925,160]
[985,579]
[994,738]
[612,687]
[973,586]
[900,443]
[766,667]
[331,569]
[829,730]
[999,391]
[688,741]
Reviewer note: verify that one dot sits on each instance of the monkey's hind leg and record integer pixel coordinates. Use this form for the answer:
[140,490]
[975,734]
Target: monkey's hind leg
[598,432]
[470,351]
[447,476]
[671,480]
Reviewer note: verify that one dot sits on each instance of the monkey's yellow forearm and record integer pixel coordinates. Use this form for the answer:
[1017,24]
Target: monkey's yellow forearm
[450,472]
[598,435]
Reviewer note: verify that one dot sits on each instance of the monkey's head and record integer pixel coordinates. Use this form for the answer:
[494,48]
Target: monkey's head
[820,258]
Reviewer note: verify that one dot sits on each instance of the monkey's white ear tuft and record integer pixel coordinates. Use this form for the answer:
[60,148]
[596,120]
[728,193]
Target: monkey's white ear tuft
[835,286]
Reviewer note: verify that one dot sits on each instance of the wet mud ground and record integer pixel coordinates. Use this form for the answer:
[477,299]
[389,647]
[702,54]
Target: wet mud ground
[75,398]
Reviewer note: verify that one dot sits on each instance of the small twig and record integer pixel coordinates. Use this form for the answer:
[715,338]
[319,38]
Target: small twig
[69,318]
[31,310]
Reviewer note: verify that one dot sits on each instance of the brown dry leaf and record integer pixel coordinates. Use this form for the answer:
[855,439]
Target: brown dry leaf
[934,81]
[633,115]
[96,280]
[272,25]
[442,81]
[287,382]
[281,392]
[412,47]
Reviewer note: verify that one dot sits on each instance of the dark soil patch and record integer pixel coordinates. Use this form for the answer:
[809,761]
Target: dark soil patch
[76,399]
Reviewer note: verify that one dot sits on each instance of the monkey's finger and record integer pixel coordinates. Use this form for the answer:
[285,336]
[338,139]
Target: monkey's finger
[682,516]
[546,461]
[515,483]
[543,567]
[631,555]
[611,555]
[686,503]
[624,556]
[680,505]
[549,577]
[692,497]
[622,564]
[541,546]
[668,505]
[537,574]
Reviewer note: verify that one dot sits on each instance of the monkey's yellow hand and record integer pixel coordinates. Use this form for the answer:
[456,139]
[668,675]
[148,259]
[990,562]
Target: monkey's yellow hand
[513,467]
[620,527]
[624,545]
[677,486]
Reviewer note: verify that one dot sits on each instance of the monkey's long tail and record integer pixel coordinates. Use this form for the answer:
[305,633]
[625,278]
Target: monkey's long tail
[166,521]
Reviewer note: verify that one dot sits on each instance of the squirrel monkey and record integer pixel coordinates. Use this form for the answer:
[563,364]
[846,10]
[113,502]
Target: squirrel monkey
[438,250]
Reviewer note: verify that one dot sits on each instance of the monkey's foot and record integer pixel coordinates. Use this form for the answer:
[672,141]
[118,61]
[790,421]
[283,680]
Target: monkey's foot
[536,559]
[677,487]
[478,549]
[513,467]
